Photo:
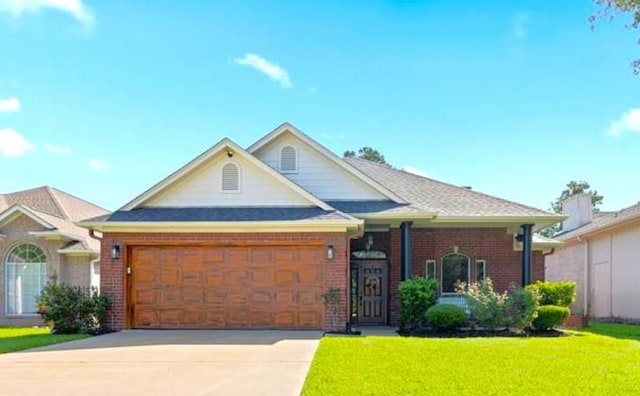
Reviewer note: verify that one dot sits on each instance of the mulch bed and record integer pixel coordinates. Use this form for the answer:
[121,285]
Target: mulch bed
[467,333]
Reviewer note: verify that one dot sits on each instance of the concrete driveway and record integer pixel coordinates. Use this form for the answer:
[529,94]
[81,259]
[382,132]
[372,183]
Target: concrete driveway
[165,362]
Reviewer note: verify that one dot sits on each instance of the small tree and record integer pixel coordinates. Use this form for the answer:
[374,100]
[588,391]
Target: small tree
[368,153]
[573,188]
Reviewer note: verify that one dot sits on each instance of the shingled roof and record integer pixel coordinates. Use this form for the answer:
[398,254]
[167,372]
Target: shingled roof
[57,208]
[429,195]
[603,221]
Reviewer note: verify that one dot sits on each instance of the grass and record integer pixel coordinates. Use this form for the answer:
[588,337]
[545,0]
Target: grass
[586,363]
[615,330]
[19,338]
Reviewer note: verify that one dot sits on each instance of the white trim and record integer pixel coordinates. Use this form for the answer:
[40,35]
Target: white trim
[396,216]
[295,153]
[442,270]
[232,149]
[94,279]
[287,127]
[15,210]
[484,269]
[239,181]
[77,252]
[55,235]
[427,263]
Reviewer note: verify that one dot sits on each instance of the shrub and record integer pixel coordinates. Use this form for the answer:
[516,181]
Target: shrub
[550,316]
[417,295]
[446,317]
[487,307]
[73,310]
[561,294]
[521,306]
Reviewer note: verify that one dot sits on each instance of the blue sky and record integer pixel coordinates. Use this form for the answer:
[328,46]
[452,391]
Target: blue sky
[104,98]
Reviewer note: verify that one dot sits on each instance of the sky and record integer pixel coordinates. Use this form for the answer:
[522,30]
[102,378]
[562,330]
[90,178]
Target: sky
[103,99]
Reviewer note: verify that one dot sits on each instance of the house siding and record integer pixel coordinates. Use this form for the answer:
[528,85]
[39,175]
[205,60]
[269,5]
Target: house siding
[113,272]
[316,173]
[567,264]
[495,245]
[203,188]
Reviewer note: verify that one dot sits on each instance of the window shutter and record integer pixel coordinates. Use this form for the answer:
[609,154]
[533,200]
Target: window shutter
[288,159]
[230,178]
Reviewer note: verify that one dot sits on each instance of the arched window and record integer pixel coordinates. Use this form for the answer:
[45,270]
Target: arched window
[25,276]
[455,268]
[288,160]
[230,178]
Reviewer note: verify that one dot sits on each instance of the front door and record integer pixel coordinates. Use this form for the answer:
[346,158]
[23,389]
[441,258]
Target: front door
[370,291]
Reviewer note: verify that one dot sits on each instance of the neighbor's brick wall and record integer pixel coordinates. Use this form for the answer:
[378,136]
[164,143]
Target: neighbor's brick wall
[113,272]
[495,245]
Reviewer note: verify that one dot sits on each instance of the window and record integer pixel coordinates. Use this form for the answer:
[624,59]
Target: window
[455,268]
[430,269]
[369,255]
[288,160]
[26,275]
[481,270]
[230,178]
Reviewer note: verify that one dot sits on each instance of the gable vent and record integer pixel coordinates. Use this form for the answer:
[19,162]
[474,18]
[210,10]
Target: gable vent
[288,160]
[230,177]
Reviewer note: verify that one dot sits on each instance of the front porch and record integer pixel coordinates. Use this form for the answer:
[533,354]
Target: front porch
[381,259]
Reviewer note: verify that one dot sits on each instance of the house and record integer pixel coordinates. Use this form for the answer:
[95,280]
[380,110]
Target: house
[253,238]
[600,253]
[39,242]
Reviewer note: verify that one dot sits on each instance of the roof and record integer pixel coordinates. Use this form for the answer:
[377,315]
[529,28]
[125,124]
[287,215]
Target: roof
[57,209]
[213,214]
[429,195]
[603,221]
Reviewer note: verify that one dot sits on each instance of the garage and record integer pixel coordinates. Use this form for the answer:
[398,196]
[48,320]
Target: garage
[226,287]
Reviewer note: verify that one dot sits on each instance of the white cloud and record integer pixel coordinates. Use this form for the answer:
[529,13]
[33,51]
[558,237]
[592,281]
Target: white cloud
[271,70]
[628,122]
[98,164]
[9,105]
[12,144]
[57,150]
[415,171]
[519,25]
[75,8]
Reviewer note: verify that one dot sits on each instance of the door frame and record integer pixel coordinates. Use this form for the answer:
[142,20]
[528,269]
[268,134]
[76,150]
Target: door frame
[355,264]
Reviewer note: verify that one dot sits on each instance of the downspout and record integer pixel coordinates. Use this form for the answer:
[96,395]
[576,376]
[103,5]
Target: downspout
[93,235]
[587,286]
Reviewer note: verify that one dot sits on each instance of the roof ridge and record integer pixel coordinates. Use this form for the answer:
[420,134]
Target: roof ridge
[75,197]
[56,202]
[389,167]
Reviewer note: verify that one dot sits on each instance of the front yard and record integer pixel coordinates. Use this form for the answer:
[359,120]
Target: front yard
[586,363]
[18,338]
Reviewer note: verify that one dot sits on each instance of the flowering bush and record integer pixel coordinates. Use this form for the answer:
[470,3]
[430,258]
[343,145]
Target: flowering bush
[487,307]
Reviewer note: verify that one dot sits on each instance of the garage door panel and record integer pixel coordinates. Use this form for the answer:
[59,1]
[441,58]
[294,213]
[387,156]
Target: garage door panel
[227,287]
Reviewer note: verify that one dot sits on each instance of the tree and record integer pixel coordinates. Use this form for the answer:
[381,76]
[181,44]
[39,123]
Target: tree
[367,153]
[608,9]
[573,188]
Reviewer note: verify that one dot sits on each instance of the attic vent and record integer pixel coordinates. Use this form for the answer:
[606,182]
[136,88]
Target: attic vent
[288,160]
[230,178]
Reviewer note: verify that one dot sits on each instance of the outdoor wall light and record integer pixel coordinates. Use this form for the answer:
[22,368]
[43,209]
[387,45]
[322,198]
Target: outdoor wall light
[331,252]
[369,243]
[115,252]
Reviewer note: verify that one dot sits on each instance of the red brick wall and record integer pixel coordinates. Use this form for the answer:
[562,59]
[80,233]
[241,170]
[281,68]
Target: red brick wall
[113,272]
[495,245]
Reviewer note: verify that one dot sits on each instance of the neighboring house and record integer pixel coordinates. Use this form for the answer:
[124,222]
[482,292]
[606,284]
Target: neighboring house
[254,238]
[601,254]
[39,242]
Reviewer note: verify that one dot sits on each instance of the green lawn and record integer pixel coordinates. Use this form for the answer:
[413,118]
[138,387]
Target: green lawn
[19,338]
[615,330]
[583,364]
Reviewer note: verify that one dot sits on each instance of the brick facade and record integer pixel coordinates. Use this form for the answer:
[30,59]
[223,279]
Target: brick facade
[113,272]
[495,245]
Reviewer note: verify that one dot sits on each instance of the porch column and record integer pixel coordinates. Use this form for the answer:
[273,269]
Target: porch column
[405,249]
[527,241]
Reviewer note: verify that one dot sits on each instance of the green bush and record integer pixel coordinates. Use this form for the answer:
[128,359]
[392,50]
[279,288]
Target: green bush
[446,317]
[417,295]
[487,307]
[561,294]
[520,308]
[550,316]
[72,310]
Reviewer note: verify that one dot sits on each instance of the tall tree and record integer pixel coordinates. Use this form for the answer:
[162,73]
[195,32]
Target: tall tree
[573,188]
[608,9]
[367,153]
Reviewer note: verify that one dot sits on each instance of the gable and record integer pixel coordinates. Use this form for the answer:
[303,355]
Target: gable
[203,187]
[315,172]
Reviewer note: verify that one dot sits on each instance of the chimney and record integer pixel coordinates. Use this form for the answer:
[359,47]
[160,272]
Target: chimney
[578,208]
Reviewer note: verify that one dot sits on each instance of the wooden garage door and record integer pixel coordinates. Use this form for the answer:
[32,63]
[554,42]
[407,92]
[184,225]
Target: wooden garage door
[226,287]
